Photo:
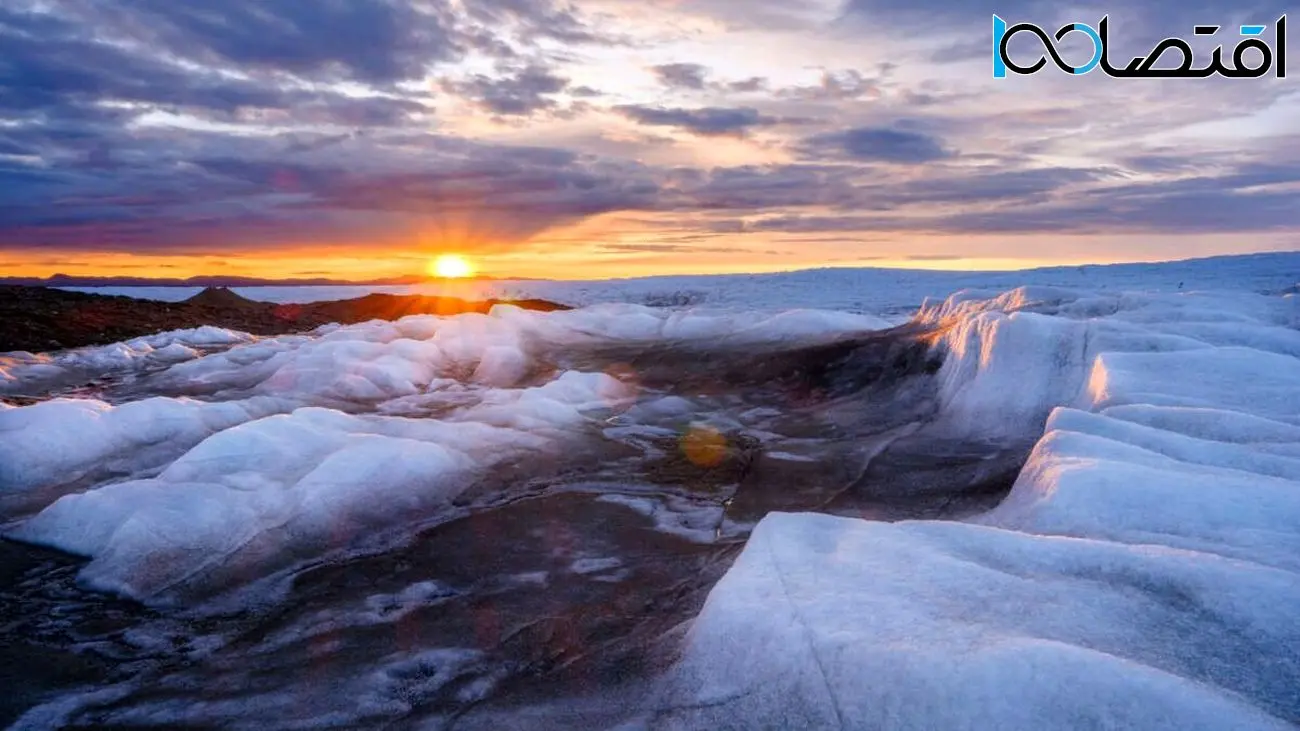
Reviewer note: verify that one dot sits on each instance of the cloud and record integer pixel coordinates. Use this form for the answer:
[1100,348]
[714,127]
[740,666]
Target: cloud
[375,41]
[755,188]
[665,248]
[682,75]
[147,125]
[522,93]
[692,77]
[536,20]
[58,76]
[878,144]
[706,121]
[324,190]
[752,84]
[1250,198]
[837,86]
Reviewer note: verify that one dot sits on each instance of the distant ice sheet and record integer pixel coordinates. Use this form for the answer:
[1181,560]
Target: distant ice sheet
[1143,573]
[874,291]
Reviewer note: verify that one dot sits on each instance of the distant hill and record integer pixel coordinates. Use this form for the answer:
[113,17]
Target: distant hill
[67,280]
[43,319]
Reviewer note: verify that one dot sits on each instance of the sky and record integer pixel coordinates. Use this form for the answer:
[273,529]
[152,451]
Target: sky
[356,139]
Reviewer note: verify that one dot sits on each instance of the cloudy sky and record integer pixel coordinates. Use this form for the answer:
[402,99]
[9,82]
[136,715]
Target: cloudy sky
[358,138]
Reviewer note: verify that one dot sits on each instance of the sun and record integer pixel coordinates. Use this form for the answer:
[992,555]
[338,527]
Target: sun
[451,266]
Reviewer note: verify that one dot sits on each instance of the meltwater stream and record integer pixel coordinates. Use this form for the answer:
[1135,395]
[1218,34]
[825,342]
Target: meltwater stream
[548,593]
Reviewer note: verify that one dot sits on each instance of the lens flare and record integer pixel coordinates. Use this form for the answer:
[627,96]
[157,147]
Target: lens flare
[704,446]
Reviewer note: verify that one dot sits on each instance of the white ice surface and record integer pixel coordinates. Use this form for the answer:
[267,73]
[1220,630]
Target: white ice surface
[1144,573]
[288,448]
[255,497]
[23,368]
[59,441]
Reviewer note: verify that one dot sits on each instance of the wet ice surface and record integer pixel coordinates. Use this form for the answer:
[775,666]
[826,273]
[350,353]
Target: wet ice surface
[532,510]
[556,594]
[610,517]
[1141,574]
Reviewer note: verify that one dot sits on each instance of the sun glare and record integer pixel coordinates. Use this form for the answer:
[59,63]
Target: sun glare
[451,266]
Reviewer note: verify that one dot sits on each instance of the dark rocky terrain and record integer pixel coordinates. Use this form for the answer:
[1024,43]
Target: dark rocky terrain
[41,319]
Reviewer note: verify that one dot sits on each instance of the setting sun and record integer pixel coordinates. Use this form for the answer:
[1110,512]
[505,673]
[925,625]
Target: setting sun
[451,266]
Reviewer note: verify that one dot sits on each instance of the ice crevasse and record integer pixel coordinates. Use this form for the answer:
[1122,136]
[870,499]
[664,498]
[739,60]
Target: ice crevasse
[1144,572]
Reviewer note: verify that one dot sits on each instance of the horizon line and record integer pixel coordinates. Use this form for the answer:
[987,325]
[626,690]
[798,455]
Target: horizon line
[416,280]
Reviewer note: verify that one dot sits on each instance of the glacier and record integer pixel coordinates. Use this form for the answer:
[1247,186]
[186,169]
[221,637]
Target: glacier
[1142,573]
[282,449]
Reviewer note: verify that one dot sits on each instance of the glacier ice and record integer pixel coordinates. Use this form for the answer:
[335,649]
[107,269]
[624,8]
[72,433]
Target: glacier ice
[279,450]
[25,369]
[1142,573]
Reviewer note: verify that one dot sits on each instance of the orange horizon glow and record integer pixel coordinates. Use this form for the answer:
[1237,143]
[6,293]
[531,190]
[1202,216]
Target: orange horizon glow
[288,268]
[575,258]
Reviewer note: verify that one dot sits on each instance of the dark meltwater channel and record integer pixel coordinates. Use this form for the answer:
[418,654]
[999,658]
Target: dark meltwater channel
[554,595]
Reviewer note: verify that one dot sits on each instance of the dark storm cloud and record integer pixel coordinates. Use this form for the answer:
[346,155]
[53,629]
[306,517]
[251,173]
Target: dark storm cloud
[706,121]
[877,144]
[521,93]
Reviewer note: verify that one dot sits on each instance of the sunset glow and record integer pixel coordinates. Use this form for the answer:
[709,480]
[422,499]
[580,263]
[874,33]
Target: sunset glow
[451,266]
[602,139]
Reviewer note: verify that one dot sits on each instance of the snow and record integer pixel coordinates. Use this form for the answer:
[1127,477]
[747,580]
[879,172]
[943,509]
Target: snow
[1143,572]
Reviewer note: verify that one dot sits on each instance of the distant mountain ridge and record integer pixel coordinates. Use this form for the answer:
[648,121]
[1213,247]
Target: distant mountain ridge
[68,280]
